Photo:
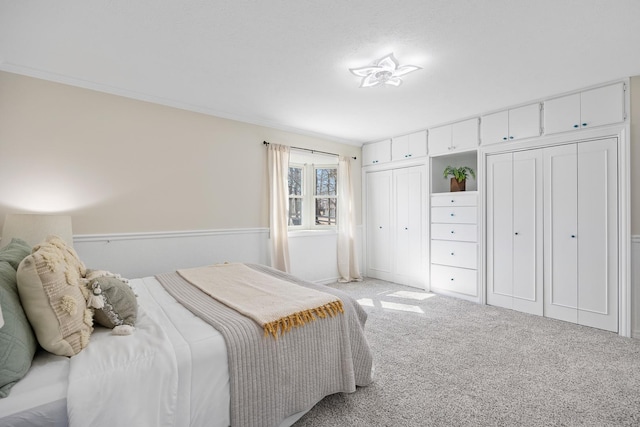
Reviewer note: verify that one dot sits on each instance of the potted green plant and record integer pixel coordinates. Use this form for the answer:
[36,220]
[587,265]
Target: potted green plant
[459,176]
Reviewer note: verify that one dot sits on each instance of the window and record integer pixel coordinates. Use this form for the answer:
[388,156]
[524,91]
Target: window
[325,195]
[313,196]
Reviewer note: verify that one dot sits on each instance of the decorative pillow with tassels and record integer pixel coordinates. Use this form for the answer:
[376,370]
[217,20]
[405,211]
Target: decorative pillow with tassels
[54,298]
[114,302]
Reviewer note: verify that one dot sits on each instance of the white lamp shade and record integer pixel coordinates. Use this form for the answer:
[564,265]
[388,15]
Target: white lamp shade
[34,228]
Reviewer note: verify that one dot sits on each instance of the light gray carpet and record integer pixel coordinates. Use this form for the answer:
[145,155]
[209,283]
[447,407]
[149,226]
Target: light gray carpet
[456,363]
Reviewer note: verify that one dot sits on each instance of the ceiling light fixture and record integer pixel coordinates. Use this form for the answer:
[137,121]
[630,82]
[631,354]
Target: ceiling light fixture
[386,71]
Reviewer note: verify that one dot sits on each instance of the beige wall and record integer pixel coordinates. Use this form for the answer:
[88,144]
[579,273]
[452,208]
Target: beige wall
[635,155]
[119,165]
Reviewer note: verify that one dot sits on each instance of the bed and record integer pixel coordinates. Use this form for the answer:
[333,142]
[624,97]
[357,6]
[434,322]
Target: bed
[174,370]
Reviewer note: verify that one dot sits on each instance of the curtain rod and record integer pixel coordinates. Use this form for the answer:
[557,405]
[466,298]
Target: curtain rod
[313,151]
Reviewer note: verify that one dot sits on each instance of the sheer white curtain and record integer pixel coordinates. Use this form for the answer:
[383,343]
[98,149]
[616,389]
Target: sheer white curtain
[278,163]
[347,258]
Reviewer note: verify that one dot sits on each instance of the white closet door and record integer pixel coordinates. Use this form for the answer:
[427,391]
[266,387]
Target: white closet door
[409,259]
[379,224]
[561,229]
[581,244]
[514,231]
[527,279]
[597,234]
[499,230]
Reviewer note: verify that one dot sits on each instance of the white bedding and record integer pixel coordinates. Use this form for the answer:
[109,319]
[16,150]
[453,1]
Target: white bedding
[40,398]
[172,371]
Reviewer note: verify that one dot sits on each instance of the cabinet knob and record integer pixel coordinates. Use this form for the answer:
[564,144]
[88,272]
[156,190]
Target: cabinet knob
[452,232]
[576,126]
[452,279]
[517,233]
[510,137]
[452,214]
[504,138]
[452,201]
[584,124]
[452,253]
[573,236]
[406,228]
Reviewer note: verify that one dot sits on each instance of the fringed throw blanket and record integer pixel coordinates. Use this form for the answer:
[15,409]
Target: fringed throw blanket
[275,304]
[272,379]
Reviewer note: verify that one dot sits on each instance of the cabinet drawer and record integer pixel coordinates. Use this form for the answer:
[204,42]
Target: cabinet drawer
[454,199]
[455,214]
[456,254]
[459,232]
[460,280]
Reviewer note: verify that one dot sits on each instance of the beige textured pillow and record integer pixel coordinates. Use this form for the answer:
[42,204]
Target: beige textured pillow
[54,298]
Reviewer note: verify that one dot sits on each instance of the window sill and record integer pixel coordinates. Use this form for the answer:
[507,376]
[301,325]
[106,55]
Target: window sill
[306,233]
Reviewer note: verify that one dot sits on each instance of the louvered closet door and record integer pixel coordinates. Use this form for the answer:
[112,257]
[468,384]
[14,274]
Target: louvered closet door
[409,196]
[379,225]
[581,256]
[514,231]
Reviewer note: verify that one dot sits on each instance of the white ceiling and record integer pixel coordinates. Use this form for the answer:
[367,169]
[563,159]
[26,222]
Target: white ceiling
[284,63]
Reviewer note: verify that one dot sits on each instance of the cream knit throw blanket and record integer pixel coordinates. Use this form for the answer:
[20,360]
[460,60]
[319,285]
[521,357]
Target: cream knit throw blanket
[275,304]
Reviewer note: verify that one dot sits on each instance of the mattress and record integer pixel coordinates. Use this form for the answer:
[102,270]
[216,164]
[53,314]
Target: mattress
[81,390]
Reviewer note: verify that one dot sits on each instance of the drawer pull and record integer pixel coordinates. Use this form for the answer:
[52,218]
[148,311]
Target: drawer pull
[576,126]
[573,236]
[517,233]
[452,232]
[452,253]
[452,201]
[452,279]
[452,214]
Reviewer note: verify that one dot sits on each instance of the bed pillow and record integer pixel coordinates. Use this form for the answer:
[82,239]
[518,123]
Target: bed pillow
[118,306]
[15,252]
[54,297]
[17,341]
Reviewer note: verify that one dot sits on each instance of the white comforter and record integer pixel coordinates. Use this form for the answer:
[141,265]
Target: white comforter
[172,371]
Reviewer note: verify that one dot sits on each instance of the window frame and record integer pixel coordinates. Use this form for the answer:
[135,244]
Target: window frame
[309,197]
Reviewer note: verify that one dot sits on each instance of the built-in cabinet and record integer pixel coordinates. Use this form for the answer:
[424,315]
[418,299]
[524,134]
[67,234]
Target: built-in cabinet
[552,232]
[540,230]
[458,136]
[587,109]
[395,201]
[376,153]
[454,247]
[409,146]
[516,123]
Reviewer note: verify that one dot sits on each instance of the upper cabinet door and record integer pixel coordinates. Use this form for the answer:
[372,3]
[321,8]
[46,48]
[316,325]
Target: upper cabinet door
[400,148]
[418,144]
[562,114]
[594,107]
[602,106]
[409,146]
[464,135]
[377,152]
[524,122]
[495,127]
[440,140]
